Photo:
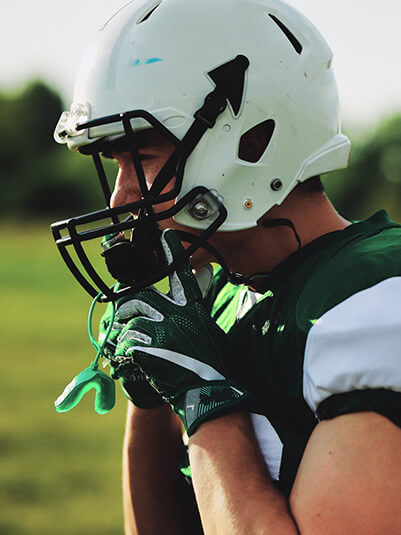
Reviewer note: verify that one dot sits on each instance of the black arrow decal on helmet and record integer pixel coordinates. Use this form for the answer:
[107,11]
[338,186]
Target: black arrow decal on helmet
[230,78]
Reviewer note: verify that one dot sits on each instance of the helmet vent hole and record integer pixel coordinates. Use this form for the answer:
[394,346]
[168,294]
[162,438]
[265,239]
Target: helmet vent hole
[253,144]
[149,13]
[290,36]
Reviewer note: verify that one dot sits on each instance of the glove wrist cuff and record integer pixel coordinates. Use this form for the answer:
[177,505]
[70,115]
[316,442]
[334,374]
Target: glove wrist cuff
[207,402]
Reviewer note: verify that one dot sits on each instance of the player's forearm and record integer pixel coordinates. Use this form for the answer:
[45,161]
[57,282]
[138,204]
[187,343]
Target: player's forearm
[233,488]
[154,492]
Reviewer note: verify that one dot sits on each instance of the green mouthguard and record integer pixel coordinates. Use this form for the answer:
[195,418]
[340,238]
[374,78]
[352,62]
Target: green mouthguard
[90,378]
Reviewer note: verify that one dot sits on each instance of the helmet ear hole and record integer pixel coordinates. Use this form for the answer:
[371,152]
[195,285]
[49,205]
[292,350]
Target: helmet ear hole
[254,142]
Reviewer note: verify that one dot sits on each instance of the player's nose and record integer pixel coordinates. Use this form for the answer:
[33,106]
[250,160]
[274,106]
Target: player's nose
[126,189]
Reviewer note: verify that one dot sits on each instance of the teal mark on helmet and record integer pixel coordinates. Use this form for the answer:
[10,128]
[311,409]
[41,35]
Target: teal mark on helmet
[147,62]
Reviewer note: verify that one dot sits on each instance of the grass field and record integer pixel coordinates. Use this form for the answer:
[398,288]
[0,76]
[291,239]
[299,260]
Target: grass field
[60,473]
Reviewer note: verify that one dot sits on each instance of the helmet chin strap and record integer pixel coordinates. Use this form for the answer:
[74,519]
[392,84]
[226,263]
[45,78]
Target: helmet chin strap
[237,278]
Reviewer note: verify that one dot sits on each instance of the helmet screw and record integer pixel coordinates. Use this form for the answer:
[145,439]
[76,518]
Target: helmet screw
[247,204]
[276,184]
[200,210]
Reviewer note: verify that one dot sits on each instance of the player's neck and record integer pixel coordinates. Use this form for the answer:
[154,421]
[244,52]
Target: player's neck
[261,249]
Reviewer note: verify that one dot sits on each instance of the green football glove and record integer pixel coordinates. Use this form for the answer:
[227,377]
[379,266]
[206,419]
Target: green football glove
[179,346]
[133,381]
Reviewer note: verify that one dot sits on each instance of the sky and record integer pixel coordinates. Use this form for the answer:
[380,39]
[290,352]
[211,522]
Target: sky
[46,38]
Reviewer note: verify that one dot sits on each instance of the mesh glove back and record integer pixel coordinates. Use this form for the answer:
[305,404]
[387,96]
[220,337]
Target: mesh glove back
[179,346]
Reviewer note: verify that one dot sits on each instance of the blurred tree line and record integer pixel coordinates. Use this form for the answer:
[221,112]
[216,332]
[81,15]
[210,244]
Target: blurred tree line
[373,178]
[41,179]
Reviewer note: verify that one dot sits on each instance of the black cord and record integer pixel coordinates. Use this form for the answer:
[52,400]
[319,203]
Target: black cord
[269,223]
[238,278]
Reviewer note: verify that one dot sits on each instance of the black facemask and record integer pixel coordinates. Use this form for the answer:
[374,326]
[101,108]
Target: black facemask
[138,261]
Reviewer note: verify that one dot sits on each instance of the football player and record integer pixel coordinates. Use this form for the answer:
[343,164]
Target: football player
[284,363]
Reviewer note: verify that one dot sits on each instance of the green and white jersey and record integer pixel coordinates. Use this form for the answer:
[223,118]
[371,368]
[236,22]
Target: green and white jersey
[324,339]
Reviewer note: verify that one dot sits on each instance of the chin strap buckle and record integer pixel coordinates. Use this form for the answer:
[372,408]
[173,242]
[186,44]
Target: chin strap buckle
[215,103]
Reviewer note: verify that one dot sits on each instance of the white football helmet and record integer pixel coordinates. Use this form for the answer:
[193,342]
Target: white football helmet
[205,73]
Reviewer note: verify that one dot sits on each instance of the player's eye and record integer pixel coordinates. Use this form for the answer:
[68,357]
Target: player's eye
[145,157]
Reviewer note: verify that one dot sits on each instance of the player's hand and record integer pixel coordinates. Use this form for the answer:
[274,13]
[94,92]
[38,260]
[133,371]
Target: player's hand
[179,347]
[133,381]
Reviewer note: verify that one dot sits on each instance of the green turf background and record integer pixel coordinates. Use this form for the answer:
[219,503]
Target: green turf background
[59,473]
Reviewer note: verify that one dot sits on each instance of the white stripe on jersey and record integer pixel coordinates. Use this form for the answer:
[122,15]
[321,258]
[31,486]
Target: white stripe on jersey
[269,444]
[356,345]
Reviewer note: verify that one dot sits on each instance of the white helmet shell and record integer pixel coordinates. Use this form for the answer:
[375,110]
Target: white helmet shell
[155,55]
